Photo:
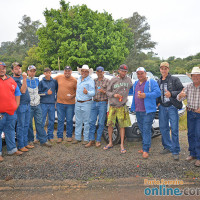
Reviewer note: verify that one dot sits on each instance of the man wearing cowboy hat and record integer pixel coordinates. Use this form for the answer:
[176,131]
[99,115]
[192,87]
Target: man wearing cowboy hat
[168,105]
[192,93]
[84,93]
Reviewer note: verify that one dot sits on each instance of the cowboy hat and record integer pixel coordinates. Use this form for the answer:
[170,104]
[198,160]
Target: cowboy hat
[85,67]
[195,70]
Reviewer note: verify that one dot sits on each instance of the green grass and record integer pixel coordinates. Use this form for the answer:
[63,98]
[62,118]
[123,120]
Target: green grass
[183,120]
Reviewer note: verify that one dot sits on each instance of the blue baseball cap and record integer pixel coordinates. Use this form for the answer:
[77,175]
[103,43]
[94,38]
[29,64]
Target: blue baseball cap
[100,68]
[2,64]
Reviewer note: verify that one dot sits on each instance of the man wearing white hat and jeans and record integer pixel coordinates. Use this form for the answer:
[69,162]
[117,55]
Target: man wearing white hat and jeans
[145,92]
[84,93]
[192,93]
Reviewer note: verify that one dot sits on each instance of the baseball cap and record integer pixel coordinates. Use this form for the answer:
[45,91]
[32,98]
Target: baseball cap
[15,64]
[30,67]
[166,64]
[100,68]
[141,69]
[123,67]
[2,64]
[68,68]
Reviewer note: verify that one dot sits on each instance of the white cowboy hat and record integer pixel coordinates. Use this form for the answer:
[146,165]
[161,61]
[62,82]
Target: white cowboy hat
[195,70]
[86,67]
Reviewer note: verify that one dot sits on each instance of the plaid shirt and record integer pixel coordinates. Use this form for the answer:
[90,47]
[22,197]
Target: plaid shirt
[99,96]
[193,96]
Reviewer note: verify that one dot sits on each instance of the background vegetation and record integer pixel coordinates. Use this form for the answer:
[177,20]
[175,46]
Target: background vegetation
[77,35]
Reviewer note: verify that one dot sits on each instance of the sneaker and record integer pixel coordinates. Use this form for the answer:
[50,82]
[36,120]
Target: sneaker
[197,163]
[29,146]
[176,157]
[76,141]
[59,140]
[145,155]
[17,153]
[90,143]
[24,149]
[1,159]
[46,144]
[98,144]
[165,151]
[69,139]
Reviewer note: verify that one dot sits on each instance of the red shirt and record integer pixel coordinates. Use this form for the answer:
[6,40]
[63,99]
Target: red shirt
[7,96]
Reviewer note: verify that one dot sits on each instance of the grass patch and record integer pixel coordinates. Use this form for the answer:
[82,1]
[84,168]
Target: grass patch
[192,174]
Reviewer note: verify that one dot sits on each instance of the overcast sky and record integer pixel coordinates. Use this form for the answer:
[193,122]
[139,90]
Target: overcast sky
[175,24]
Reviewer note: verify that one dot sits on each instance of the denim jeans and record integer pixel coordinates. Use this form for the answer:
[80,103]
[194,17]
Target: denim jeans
[7,125]
[97,109]
[36,112]
[82,115]
[193,125]
[23,120]
[65,111]
[169,115]
[48,108]
[145,121]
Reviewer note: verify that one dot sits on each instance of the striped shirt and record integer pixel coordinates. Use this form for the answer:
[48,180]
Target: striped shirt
[193,96]
[99,96]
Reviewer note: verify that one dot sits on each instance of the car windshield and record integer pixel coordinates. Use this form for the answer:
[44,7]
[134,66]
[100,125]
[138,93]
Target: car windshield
[184,79]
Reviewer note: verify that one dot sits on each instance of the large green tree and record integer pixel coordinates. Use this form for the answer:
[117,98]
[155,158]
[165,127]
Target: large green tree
[142,40]
[77,35]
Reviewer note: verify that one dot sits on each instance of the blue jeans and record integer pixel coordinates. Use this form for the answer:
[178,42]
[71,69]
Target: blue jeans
[65,111]
[97,109]
[145,121]
[7,125]
[23,120]
[36,112]
[82,115]
[169,115]
[193,125]
[48,108]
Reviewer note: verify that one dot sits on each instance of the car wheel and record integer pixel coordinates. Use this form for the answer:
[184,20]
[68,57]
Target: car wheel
[115,136]
[137,133]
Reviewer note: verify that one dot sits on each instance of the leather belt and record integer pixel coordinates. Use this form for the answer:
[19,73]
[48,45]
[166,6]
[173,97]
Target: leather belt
[84,101]
[190,109]
[100,101]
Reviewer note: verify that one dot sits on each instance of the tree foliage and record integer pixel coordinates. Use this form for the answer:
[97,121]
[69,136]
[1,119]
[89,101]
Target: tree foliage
[142,40]
[77,35]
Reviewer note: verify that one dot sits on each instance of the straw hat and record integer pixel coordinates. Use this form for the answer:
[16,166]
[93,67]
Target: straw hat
[195,70]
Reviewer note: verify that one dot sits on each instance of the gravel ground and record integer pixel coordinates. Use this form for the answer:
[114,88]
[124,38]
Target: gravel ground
[69,161]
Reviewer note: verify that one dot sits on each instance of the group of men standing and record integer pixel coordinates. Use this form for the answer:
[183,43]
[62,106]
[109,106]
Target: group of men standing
[88,99]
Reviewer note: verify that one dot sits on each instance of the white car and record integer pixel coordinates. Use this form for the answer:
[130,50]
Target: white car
[185,80]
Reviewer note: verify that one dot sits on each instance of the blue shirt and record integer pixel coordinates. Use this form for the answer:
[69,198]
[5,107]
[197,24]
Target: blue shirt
[89,85]
[25,97]
[17,91]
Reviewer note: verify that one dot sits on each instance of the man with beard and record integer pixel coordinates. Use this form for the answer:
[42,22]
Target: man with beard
[23,111]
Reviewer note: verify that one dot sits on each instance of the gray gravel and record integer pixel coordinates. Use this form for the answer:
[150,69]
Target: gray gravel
[68,161]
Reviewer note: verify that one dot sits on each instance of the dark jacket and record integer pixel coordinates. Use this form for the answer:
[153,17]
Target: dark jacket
[44,86]
[174,86]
